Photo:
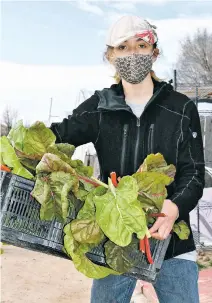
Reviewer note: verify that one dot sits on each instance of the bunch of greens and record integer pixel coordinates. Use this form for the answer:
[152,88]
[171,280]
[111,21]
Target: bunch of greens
[115,215]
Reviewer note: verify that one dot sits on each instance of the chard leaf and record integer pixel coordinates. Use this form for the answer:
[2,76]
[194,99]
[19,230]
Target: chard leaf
[51,163]
[9,158]
[86,231]
[32,142]
[63,150]
[88,210]
[76,252]
[66,149]
[120,258]
[52,192]
[81,193]
[17,135]
[182,230]
[152,188]
[121,215]
[85,170]
[157,163]
[29,163]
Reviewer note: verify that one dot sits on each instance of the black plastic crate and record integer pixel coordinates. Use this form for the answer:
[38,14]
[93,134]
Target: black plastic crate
[20,218]
[143,271]
[21,226]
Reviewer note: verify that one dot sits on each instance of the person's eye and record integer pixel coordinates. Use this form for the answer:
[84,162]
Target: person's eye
[122,47]
[142,45]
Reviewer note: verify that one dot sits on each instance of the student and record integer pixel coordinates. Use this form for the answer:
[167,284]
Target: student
[126,122]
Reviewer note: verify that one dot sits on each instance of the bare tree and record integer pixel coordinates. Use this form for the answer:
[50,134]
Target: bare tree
[9,117]
[194,64]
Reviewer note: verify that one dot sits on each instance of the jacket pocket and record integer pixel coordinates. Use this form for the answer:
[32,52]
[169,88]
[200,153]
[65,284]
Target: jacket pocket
[150,140]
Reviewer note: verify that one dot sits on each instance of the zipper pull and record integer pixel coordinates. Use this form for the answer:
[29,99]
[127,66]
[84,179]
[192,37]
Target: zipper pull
[138,122]
[125,130]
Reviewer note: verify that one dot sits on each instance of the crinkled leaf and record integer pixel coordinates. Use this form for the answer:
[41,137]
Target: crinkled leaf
[10,159]
[85,170]
[66,149]
[88,209]
[120,258]
[81,193]
[63,150]
[51,163]
[182,230]
[52,192]
[87,186]
[152,188]
[17,135]
[77,253]
[86,231]
[119,214]
[157,163]
[34,141]
[29,163]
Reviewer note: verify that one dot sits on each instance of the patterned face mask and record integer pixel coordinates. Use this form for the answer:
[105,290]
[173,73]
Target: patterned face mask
[134,68]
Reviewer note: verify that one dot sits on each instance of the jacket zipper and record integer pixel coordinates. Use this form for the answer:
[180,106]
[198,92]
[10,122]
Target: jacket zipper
[138,131]
[124,147]
[150,140]
[137,143]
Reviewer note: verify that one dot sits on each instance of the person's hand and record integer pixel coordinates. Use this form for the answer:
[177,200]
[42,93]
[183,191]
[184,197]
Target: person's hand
[163,225]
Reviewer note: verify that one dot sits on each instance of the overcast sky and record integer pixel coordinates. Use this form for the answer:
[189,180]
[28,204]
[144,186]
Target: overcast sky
[55,48]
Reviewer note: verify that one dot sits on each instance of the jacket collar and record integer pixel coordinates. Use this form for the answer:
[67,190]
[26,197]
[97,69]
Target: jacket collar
[113,98]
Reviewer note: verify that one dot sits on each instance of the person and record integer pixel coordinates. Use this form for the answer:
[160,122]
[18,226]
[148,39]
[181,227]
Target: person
[137,116]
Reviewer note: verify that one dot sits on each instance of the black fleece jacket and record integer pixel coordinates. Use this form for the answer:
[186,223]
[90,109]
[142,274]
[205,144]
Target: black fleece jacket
[169,125]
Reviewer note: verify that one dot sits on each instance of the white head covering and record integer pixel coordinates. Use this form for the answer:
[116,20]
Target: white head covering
[131,26]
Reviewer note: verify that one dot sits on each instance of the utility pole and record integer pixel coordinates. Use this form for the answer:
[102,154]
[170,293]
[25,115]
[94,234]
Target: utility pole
[175,79]
[50,112]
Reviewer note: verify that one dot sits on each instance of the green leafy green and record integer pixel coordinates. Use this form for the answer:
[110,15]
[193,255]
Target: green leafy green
[9,158]
[157,163]
[63,150]
[120,258]
[34,141]
[119,214]
[88,210]
[66,149]
[182,230]
[81,193]
[17,135]
[98,210]
[77,253]
[51,163]
[86,231]
[152,190]
[52,193]
[28,163]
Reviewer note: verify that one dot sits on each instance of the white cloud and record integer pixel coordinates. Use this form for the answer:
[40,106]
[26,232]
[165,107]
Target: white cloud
[155,2]
[124,6]
[28,88]
[88,7]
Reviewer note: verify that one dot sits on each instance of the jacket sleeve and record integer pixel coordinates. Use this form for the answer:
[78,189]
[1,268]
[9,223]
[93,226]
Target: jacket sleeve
[79,128]
[190,166]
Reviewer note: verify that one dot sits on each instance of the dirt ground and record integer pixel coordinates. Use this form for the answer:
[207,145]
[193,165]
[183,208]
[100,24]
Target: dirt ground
[32,277]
